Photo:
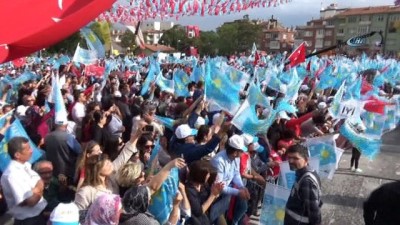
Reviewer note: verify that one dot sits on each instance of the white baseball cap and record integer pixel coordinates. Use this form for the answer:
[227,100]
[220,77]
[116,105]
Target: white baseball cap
[199,122]
[283,115]
[184,131]
[248,139]
[322,105]
[237,142]
[65,214]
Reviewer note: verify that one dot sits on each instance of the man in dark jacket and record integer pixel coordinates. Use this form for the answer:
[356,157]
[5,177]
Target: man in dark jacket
[183,144]
[62,149]
[382,206]
[304,204]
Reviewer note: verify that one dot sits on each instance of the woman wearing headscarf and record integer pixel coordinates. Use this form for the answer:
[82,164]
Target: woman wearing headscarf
[105,210]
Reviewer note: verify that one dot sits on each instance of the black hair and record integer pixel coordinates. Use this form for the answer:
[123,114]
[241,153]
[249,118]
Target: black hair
[198,171]
[15,145]
[298,148]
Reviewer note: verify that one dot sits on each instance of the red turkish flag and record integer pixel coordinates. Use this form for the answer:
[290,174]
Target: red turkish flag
[19,62]
[375,105]
[298,56]
[94,70]
[256,58]
[365,87]
[30,25]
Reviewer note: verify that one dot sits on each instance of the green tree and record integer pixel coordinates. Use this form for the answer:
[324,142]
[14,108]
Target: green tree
[238,36]
[67,45]
[207,44]
[127,39]
[176,37]
[228,38]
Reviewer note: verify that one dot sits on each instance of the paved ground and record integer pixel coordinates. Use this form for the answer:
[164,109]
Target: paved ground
[344,195]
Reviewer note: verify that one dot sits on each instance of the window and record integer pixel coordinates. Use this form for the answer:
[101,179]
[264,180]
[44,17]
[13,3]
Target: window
[352,30]
[327,43]
[352,19]
[319,43]
[379,18]
[363,30]
[340,31]
[274,36]
[364,18]
[308,34]
[330,23]
[342,20]
[267,35]
[284,36]
[328,33]
[320,32]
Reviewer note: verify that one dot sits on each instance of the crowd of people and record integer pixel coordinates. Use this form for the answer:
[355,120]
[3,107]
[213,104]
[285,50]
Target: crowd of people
[98,166]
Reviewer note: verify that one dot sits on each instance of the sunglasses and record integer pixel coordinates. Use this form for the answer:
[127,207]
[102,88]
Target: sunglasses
[149,146]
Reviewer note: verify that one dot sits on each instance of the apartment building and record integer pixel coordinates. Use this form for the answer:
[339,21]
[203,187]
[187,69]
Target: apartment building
[153,30]
[319,33]
[356,21]
[276,37]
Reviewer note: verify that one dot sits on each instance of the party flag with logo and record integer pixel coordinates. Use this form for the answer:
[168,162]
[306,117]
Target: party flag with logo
[16,130]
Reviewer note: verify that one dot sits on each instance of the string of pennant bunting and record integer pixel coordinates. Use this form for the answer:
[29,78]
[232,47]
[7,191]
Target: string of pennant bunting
[135,10]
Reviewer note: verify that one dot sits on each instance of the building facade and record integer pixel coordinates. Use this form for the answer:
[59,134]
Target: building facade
[276,38]
[319,33]
[357,21]
[153,30]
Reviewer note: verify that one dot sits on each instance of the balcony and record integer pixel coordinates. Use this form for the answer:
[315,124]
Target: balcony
[367,22]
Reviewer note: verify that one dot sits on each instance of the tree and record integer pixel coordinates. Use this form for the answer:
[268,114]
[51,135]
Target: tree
[238,36]
[176,37]
[127,39]
[67,45]
[207,44]
[228,38]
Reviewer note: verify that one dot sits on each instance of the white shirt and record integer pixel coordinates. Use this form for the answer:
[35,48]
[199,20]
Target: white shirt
[78,112]
[17,182]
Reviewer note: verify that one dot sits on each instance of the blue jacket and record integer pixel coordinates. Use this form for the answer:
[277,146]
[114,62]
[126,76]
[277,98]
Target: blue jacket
[194,152]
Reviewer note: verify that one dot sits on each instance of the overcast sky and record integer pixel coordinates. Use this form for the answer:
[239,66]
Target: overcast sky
[297,12]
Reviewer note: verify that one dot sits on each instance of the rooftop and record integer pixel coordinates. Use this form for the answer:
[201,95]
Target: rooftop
[370,10]
[159,48]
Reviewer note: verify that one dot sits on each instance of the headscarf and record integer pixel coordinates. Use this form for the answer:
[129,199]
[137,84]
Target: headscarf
[105,210]
[136,200]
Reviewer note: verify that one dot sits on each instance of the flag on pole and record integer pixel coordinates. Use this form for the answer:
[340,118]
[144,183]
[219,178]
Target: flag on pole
[274,204]
[139,37]
[16,129]
[298,55]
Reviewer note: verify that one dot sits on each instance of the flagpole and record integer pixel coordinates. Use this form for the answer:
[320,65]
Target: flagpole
[354,41]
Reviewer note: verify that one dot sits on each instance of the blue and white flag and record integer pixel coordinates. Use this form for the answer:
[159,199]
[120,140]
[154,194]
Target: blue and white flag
[161,202]
[84,56]
[165,84]
[16,130]
[181,81]
[154,70]
[166,121]
[220,89]
[325,149]
[274,204]
[61,116]
[93,42]
[369,146]
[256,97]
